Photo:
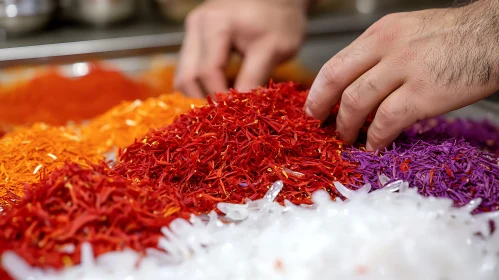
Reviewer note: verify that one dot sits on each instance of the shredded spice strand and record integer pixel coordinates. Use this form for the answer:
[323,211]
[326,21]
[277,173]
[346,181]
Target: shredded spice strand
[31,151]
[75,205]
[236,148]
[439,164]
[40,99]
[121,125]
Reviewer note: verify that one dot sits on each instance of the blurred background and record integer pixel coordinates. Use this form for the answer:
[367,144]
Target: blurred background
[63,31]
[143,36]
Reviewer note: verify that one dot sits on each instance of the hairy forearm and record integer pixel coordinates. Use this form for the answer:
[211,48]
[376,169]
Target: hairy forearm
[472,35]
[483,20]
[481,11]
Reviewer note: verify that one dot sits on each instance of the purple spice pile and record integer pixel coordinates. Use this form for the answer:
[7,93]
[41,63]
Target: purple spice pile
[481,134]
[440,162]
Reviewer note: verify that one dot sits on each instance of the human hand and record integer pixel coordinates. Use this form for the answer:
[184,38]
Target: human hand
[408,67]
[266,33]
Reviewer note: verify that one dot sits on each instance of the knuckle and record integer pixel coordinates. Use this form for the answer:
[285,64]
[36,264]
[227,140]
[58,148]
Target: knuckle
[193,19]
[202,16]
[341,121]
[179,84]
[383,23]
[388,36]
[367,84]
[385,29]
[210,16]
[388,19]
[286,49]
[408,55]
[375,136]
[206,73]
[312,102]
[387,116]
[404,57]
[330,73]
[373,29]
[370,86]
[181,81]
[379,24]
[281,49]
[417,88]
[350,101]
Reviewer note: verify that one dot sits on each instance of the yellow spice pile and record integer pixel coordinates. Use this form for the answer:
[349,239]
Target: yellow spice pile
[28,152]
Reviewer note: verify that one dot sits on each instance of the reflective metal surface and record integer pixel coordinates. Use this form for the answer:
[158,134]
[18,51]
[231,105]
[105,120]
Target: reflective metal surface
[24,16]
[99,13]
[90,50]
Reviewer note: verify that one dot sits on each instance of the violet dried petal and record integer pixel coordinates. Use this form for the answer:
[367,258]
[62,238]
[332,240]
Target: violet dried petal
[445,159]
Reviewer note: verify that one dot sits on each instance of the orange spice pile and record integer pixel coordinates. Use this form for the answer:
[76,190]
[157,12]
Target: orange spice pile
[121,125]
[29,152]
[52,98]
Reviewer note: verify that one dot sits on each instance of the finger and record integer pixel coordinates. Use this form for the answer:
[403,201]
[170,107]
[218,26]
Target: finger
[399,111]
[362,97]
[214,59]
[256,68]
[339,72]
[190,53]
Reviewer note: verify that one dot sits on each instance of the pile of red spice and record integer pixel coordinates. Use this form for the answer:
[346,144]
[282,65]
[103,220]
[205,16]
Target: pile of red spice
[74,205]
[236,147]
